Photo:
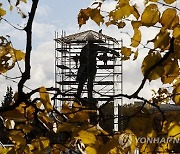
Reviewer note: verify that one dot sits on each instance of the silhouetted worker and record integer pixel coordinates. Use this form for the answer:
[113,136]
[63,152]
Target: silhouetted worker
[104,58]
[76,59]
[87,69]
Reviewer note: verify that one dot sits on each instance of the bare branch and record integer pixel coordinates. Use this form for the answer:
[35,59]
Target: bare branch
[28,30]
[166,56]
[11,24]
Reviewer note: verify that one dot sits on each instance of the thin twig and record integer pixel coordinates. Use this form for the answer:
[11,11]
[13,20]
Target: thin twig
[11,24]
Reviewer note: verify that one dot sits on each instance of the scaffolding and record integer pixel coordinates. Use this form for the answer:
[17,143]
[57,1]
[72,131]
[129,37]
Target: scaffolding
[108,79]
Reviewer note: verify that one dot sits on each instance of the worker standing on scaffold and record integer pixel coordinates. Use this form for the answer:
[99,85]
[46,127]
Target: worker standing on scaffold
[87,69]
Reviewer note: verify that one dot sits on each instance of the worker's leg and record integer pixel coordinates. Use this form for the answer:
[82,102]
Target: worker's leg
[91,77]
[80,87]
[90,87]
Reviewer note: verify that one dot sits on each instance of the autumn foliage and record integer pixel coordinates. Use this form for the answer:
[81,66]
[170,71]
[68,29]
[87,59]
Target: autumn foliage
[33,125]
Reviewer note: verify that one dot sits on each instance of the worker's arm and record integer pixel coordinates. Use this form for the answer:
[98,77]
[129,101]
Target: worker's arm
[112,51]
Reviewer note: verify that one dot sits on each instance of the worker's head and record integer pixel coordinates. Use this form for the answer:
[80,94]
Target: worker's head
[90,38]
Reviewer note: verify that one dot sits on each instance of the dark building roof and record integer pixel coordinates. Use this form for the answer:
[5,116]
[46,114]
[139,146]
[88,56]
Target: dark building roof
[84,36]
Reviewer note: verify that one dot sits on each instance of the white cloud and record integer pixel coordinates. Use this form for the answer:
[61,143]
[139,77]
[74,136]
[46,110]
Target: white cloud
[42,72]
[43,31]
[43,10]
[42,66]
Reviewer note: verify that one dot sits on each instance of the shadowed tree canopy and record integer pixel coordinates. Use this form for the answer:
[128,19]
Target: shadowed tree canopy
[31,123]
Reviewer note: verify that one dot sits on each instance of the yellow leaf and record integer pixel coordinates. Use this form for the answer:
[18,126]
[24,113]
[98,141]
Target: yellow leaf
[83,16]
[25,1]
[26,128]
[162,39]
[176,95]
[87,137]
[96,16]
[133,143]
[121,24]
[169,18]
[135,55]
[136,39]
[16,115]
[8,124]
[149,61]
[176,32]
[91,150]
[65,126]
[38,104]
[11,8]
[8,55]
[171,72]
[150,15]
[44,97]
[169,1]
[135,12]
[110,147]
[40,144]
[126,52]
[46,120]
[123,3]
[174,130]
[163,148]
[30,112]
[66,109]
[176,48]
[122,12]
[146,149]
[18,55]
[2,12]
[4,150]
[17,137]
[147,1]
[110,23]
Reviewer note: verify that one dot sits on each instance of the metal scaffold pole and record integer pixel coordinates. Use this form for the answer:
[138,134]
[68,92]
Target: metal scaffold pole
[107,80]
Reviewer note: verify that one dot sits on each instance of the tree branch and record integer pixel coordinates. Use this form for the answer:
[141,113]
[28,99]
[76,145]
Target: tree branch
[28,30]
[166,56]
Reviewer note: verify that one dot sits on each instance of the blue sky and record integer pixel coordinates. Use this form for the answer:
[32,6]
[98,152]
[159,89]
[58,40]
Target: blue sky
[58,15]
